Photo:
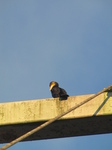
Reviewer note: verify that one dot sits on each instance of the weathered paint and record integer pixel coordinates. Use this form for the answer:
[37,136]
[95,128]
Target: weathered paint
[22,116]
[45,109]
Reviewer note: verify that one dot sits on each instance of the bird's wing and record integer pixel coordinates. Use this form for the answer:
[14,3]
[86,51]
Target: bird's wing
[63,92]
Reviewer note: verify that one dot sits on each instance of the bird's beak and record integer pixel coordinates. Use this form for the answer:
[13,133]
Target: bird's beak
[51,87]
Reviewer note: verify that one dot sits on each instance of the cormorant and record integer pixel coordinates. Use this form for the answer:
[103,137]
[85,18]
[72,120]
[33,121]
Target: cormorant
[56,91]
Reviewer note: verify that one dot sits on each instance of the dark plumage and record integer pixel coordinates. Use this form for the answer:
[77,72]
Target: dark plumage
[56,91]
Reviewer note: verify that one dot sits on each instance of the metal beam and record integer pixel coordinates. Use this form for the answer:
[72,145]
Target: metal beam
[94,117]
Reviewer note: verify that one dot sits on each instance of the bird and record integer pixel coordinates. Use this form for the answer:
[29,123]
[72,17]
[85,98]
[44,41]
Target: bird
[56,91]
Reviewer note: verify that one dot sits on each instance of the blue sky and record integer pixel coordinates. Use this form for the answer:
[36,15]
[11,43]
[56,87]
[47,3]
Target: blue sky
[66,41]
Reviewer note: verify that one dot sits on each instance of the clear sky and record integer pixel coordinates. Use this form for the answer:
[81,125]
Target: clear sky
[67,41]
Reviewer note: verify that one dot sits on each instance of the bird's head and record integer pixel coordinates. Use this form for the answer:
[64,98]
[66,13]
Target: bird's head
[52,84]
